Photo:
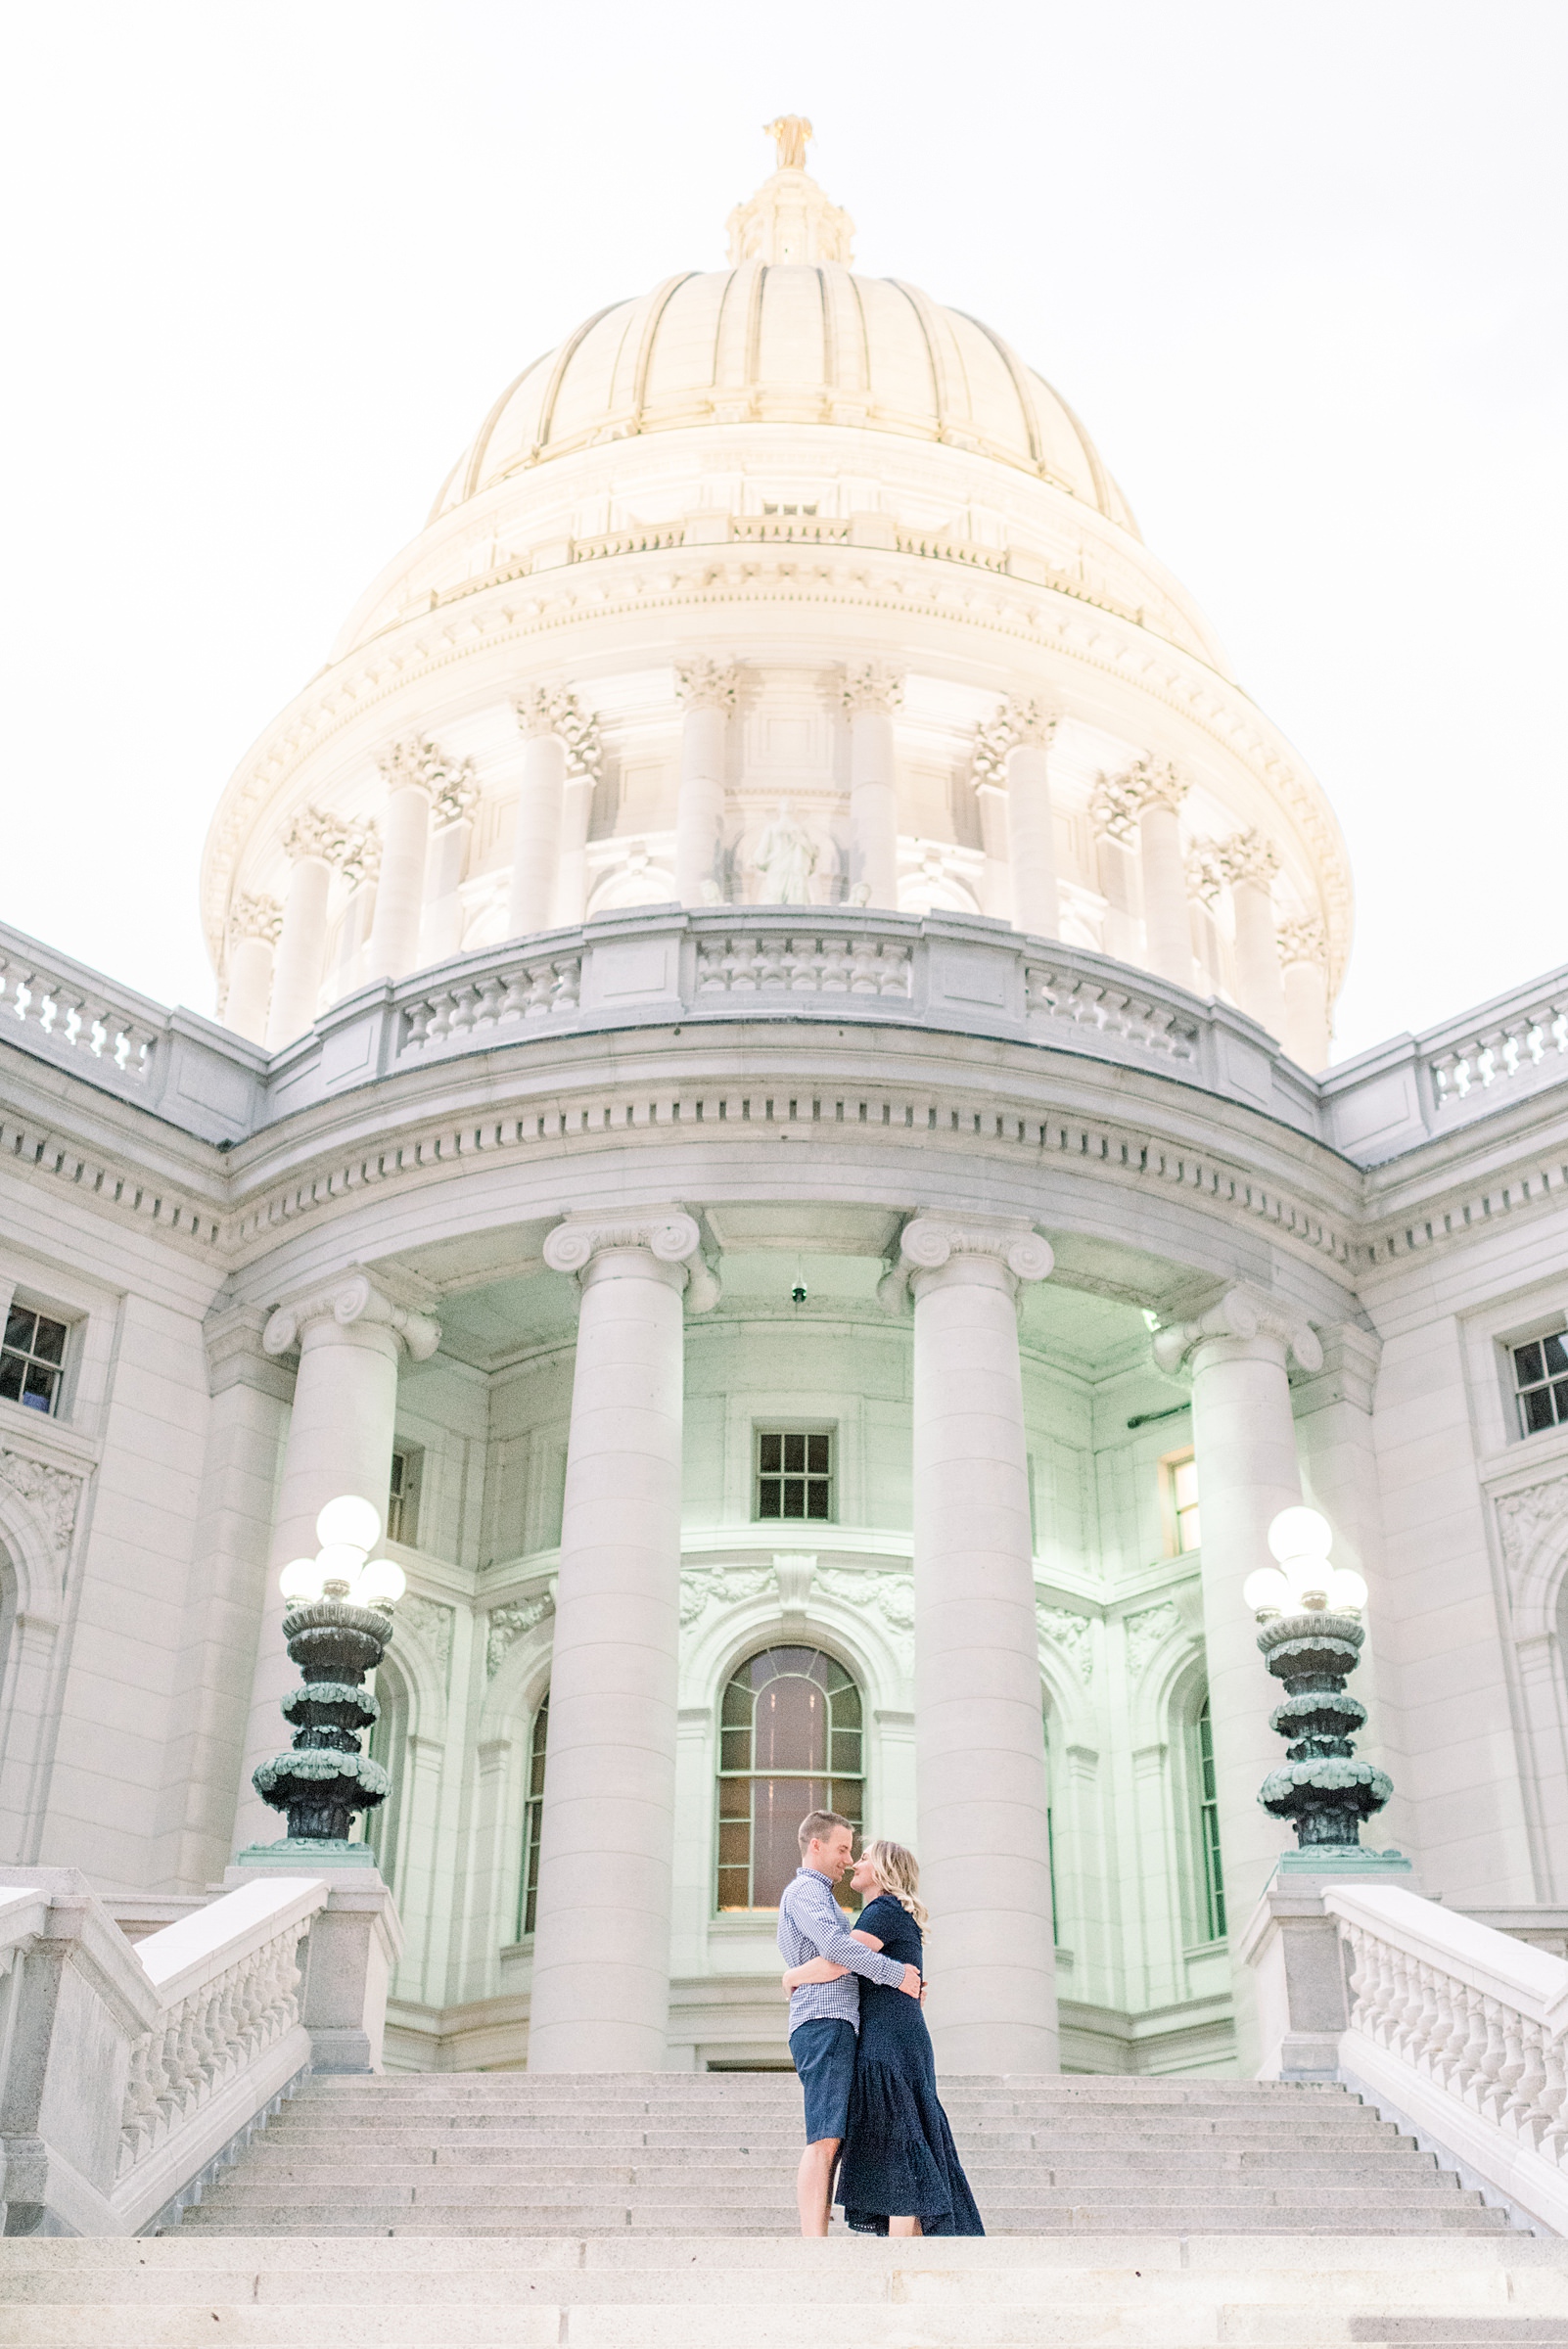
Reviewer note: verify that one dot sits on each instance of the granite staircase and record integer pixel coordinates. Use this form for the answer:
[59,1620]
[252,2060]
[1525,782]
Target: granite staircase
[499,2211]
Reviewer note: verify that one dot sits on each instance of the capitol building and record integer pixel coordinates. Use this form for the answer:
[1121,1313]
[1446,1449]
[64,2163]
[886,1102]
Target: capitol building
[768,1100]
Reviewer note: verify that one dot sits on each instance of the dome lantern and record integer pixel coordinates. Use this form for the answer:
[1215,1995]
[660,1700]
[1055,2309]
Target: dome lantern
[789,219]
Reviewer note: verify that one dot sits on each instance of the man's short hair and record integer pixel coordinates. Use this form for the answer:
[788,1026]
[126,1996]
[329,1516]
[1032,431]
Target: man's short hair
[817,1826]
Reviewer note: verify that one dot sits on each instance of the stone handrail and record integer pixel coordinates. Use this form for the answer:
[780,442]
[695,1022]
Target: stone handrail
[662,966]
[1461,2032]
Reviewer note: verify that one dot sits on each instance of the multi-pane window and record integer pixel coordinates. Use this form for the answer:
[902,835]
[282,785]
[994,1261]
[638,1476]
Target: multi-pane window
[790,1742]
[1212,1886]
[402,1498]
[1181,1495]
[533,1820]
[1541,1379]
[32,1360]
[793,1473]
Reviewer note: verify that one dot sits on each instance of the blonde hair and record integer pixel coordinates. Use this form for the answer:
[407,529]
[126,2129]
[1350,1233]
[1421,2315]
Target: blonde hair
[898,1871]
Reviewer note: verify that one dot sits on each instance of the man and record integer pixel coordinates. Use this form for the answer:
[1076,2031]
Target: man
[825,2016]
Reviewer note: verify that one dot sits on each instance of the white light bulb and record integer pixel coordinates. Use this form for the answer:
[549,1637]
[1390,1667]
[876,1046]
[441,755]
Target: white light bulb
[1347,1591]
[381,1583]
[340,1562]
[301,1579]
[1267,1591]
[1300,1533]
[348,1522]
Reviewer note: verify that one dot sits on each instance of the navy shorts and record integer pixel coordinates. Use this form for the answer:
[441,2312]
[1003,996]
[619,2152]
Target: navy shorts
[824,2057]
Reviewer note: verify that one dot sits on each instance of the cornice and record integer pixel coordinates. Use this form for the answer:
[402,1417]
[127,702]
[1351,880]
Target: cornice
[1046,617]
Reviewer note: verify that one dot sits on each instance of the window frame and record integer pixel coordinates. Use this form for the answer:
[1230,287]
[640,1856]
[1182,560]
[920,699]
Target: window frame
[829,1777]
[21,1299]
[1171,1512]
[762,1429]
[1208,1874]
[535,1763]
[412,1457]
[1512,1346]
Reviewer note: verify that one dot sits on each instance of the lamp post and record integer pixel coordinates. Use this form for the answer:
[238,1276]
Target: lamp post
[1311,1635]
[337,1627]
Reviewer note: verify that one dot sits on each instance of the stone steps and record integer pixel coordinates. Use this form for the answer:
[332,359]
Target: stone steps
[1272,2291]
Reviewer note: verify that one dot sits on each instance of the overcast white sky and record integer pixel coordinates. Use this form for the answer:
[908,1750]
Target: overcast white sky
[1299,267]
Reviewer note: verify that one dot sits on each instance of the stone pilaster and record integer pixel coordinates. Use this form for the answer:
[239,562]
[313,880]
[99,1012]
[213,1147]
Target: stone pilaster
[708,692]
[871,693]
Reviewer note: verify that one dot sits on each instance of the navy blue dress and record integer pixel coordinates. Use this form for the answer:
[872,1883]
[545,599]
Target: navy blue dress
[899,2160]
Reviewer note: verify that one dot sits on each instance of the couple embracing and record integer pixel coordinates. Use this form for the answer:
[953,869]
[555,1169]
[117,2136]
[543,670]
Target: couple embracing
[862,2048]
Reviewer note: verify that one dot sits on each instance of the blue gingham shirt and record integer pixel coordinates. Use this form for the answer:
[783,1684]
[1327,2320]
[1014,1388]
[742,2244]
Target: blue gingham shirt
[811,1924]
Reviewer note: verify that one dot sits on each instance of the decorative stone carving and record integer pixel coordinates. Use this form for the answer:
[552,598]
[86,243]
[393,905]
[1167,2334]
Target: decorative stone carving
[508,1624]
[885,1592]
[1073,1634]
[431,1623]
[1243,1312]
[1146,1632]
[1206,874]
[785,860]
[418,761]
[874,686]
[704,685]
[790,218]
[54,1494]
[793,1570]
[1302,941]
[705,1588]
[353,1298]
[354,847]
[1120,799]
[1524,1517]
[791,135]
[543,710]
[668,1234]
[1247,858]
[1020,719]
[259,917]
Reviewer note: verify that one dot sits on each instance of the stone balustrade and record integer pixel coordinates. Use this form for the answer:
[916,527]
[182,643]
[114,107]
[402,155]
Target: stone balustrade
[665,965]
[130,2073]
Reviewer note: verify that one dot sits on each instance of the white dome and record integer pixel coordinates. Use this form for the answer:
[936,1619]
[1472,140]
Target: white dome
[796,341]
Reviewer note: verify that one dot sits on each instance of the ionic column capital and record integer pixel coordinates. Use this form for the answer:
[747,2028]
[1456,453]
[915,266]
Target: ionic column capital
[1242,1313]
[668,1234]
[418,762]
[352,1298]
[1246,857]
[256,916]
[980,1246]
[873,687]
[704,685]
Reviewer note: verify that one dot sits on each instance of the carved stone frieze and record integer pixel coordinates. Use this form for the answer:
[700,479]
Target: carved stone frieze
[703,1588]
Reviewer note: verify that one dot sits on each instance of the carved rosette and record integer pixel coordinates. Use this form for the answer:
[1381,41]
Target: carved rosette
[874,687]
[1247,860]
[354,1298]
[551,709]
[1243,1312]
[668,1234]
[702,684]
[256,916]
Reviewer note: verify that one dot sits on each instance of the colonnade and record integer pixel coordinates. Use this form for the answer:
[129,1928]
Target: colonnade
[601,1956]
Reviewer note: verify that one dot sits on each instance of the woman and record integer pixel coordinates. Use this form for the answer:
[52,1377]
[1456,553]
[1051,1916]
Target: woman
[900,2173]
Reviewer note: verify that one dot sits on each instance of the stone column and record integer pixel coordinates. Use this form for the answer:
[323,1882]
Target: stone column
[440,929]
[416,770]
[1113,814]
[1244,1439]
[600,1949]
[984,1842]
[1158,791]
[349,1338]
[708,691]
[1304,962]
[871,694]
[558,737]
[254,930]
[1250,865]
[313,843]
[1031,824]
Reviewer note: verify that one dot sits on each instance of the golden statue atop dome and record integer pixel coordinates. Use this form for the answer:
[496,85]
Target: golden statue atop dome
[791,135]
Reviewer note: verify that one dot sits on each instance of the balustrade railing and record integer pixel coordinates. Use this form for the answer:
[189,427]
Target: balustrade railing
[1463,2032]
[801,962]
[74,1010]
[1503,1052]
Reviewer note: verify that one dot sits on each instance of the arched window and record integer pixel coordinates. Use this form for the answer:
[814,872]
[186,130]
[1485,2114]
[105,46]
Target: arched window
[1211,1875]
[790,1742]
[534,1819]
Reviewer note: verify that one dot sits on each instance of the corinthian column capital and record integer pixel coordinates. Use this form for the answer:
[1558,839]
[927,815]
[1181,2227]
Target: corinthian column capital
[258,916]
[1247,858]
[551,709]
[1245,1313]
[418,761]
[668,1235]
[1304,942]
[352,1298]
[872,686]
[1022,721]
[702,684]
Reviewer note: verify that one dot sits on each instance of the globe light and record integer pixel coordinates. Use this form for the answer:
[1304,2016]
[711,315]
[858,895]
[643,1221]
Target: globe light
[340,1562]
[349,1522]
[1300,1533]
[1266,1592]
[300,1580]
[1347,1592]
[381,1583]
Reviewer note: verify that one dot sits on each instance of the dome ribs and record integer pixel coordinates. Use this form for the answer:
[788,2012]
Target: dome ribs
[658,304]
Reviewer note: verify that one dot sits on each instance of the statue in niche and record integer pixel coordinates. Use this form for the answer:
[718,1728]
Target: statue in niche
[789,134]
[785,860]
